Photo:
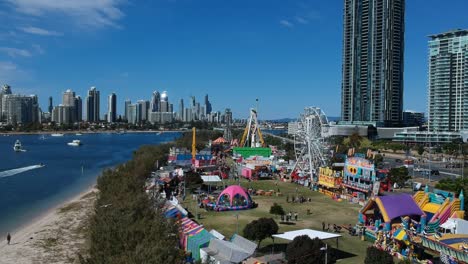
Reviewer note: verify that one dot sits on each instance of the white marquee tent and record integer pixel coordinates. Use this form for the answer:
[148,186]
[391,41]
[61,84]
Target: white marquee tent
[309,232]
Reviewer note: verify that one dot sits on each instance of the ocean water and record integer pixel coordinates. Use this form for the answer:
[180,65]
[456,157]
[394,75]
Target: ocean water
[67,172]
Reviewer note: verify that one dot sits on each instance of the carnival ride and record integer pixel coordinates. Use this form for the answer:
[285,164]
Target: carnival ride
[309,142]
[252,143]
[252,136]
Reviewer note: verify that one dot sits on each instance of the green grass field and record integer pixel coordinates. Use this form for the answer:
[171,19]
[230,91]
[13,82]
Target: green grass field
[322,209]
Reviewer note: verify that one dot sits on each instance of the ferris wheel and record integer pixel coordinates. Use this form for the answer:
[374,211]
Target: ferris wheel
[309,141]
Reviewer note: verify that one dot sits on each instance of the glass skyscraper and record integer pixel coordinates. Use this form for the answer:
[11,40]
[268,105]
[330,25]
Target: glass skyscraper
[92,105]
[448,81]
[372,71]
[112,108]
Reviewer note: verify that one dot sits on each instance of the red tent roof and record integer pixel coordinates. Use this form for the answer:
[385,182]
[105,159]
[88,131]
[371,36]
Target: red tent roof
[220,140]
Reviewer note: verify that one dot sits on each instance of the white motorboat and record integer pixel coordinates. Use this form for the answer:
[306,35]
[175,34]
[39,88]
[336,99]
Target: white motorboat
[78,134]
[75,143]
[57,135]
[18,147]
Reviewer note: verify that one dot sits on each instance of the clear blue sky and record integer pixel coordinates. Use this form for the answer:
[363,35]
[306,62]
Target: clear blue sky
[286,53]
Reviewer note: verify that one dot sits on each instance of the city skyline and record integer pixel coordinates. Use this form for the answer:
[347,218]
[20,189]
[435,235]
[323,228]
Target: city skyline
[190,50]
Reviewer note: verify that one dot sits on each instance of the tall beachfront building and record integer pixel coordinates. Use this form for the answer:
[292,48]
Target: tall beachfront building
[92,105]
[112,108]
[448,81]
[155,102]
[372,70]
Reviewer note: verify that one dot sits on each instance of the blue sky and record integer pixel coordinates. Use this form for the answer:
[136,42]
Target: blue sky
[286,53]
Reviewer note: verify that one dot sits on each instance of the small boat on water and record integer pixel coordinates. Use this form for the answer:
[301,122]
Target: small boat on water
[75,143]
[18,147]
[78,134]
[57,135]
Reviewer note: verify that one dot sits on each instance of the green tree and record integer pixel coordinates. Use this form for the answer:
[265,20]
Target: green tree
[377,256]
[353,141]
[276,209]
[420,150]
[260,229]
[128,225]
[303,250]
[193,179]
[455,185]
[399,175]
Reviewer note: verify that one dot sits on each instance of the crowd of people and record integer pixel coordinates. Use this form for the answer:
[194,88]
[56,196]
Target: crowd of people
[290,217]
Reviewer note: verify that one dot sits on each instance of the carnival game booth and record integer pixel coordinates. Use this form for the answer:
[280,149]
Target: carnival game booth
[359,178]
[255,167]
[329,182]
[232,198]
[193,236]
[389,213]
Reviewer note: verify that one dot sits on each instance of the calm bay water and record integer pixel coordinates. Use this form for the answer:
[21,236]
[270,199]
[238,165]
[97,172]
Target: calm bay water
[68,170]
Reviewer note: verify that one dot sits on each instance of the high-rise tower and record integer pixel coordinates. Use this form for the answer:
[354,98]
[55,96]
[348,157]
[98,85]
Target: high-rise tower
[208,108]
[51,105]
[181,110]
[372,70]
[92,105]
[448,81]
[112,108]
[156,102]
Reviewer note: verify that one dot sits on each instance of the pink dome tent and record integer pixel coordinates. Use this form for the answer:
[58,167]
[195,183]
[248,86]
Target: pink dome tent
[233,197]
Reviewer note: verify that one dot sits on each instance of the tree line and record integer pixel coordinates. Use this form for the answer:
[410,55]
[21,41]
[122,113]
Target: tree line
[128,225]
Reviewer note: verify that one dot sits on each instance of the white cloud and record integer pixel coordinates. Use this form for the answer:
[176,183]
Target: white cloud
[9,71]
[14,52]
[286,23]
[301,20]
[96,13]
[6,66]
[40,31]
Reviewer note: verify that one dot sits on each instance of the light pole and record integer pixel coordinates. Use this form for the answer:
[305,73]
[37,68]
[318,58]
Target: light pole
[237,223]
[462,159]
[325,248]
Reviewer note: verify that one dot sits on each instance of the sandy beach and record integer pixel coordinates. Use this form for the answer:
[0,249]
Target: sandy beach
[55,237]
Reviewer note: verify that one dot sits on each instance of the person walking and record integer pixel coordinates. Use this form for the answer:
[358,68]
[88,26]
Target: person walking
[295,216]
[323,226]
[8,238]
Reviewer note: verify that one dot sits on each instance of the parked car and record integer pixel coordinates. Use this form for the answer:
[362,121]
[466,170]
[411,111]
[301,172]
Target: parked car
[435,172]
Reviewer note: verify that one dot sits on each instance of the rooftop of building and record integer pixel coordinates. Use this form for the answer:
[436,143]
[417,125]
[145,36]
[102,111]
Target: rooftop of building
[451,33]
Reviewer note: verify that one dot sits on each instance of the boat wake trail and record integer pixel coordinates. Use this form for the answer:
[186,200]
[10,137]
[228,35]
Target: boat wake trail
[12,172]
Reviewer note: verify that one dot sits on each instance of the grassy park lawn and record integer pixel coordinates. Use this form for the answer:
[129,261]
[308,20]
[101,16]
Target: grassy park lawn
[322,209]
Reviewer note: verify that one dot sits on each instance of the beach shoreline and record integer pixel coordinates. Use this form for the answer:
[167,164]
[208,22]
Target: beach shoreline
[53,236]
